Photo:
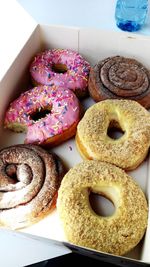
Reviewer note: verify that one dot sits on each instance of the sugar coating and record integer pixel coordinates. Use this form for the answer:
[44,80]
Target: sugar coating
[126,152]
[115,234]
[32,195]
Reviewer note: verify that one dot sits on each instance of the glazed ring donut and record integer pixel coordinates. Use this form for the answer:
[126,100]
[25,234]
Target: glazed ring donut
[115,234]
[62,67]
[128,151]
[29,182]
[120,77]
[49,115]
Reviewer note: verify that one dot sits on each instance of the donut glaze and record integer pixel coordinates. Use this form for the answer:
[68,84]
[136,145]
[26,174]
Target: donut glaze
[128,151]
[120,78]
[60,110]
[115,234]
[29,182]
[62,67]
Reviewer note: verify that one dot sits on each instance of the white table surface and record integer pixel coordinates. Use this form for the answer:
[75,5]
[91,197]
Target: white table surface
[83,13]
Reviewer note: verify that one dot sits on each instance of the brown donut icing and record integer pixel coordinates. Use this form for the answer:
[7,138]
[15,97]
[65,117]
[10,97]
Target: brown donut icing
[120,77]
[29,181]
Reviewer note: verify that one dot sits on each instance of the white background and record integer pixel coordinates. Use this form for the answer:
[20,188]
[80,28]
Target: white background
[86,13]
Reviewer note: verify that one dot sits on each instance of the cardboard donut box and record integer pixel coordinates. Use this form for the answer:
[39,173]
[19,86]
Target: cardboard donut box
[94,45]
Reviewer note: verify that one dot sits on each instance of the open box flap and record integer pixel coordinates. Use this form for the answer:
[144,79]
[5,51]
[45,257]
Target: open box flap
[16,26]
[30,249]
[146,245]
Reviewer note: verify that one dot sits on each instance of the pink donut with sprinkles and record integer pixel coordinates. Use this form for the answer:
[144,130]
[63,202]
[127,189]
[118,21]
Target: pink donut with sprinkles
[62,67]
[48,114]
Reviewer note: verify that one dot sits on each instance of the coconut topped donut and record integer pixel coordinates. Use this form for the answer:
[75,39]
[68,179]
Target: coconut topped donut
[63,67]
[115,234]
[127,151]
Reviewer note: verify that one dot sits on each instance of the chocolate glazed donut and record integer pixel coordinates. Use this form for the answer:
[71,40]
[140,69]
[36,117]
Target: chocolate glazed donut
[29,181]
[120,77]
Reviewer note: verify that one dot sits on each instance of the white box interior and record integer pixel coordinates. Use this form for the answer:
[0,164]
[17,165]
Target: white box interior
[94,45]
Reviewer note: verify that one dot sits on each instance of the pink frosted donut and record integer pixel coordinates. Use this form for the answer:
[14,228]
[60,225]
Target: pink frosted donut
[48,114]
[62,67]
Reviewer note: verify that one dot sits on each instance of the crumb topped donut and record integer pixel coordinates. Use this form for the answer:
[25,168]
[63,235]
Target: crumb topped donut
[115,234]
[120,77]
[48,114]
[62,67]
[29,182]
[128,151]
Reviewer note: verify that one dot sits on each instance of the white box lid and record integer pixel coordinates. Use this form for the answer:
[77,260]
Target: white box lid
[16,26]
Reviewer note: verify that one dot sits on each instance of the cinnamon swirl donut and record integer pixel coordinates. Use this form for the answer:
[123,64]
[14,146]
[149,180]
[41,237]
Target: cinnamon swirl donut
[29,181]
[120,77]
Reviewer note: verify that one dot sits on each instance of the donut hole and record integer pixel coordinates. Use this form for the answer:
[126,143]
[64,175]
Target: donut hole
[39,114]
[114,130]
[59,68]
[19,172]
[101,205]
[11,171]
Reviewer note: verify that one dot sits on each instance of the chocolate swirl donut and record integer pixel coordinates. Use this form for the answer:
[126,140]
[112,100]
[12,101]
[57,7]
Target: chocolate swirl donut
[120,77]
[29,181]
